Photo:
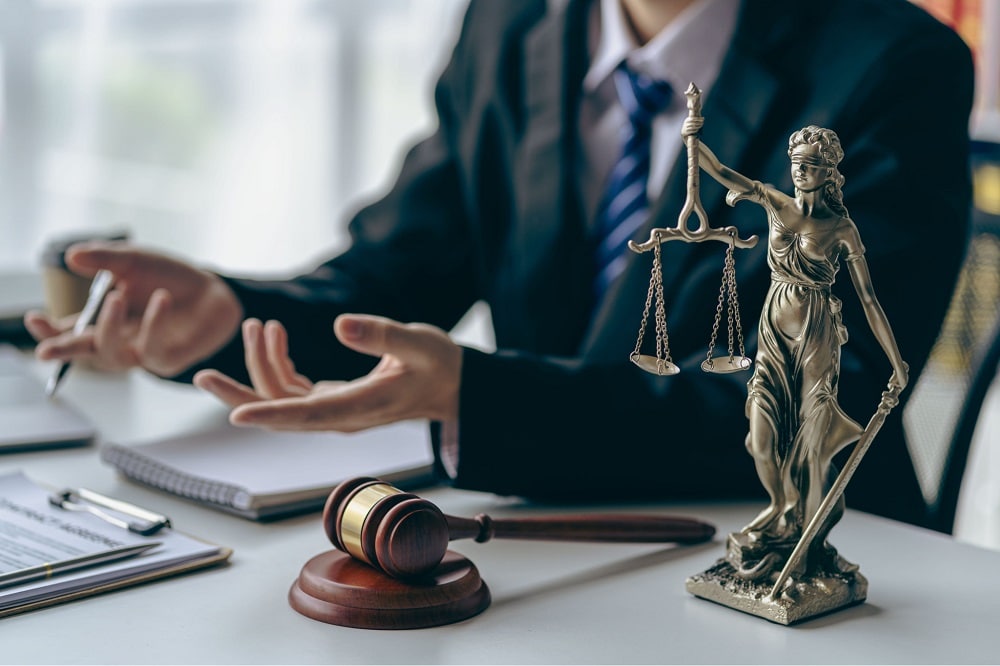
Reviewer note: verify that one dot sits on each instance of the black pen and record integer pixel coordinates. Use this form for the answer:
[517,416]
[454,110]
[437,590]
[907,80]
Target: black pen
[99,288]
[50,569]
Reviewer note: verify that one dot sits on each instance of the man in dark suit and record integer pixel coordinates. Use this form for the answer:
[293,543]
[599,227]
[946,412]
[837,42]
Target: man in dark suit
[499,205]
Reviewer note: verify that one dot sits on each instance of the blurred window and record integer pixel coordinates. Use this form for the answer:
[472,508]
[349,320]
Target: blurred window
[240,133]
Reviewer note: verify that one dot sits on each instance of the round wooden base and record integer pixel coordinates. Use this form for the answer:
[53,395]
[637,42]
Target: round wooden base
[335,588]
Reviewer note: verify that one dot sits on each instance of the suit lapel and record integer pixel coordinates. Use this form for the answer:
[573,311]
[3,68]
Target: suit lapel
[547,242]
[735,109]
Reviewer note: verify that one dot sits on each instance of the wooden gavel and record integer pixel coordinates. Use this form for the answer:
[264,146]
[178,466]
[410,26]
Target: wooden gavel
[405,536]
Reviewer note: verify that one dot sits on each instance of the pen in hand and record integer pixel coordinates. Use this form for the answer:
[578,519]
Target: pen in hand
[99,288]
[49,569]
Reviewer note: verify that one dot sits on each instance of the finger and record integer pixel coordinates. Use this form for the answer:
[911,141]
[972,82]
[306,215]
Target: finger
[298,414]
[265,380]
[225,388]
[357,405]
[66,347]
[127,263]
[39,325]
[150,343]
[377,336]
[111,341]
[64,324]
[276,343]
[57,339]
[91,256]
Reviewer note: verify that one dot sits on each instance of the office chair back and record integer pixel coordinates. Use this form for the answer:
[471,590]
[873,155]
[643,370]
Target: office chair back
[943,511]
[941,417]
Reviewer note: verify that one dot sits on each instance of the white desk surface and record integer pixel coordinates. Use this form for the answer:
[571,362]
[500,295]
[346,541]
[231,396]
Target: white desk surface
[931,599]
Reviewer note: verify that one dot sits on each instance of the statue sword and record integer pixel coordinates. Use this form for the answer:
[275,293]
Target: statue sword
[890,399]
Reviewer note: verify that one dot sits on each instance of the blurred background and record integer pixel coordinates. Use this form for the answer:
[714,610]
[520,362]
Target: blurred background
[234,132]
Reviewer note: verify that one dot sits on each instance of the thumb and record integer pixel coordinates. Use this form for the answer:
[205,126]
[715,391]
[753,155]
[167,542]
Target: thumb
[377,336]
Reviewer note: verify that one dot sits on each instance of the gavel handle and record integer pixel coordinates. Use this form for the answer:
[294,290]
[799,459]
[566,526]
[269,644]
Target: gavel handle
[600,528]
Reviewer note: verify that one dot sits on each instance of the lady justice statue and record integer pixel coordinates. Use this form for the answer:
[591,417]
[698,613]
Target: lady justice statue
[780,565]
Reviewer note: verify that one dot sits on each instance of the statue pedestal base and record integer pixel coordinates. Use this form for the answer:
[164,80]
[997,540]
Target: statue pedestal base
[819,593]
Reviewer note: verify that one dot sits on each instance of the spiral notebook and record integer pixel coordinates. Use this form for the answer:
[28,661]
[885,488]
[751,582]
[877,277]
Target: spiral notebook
[264,475]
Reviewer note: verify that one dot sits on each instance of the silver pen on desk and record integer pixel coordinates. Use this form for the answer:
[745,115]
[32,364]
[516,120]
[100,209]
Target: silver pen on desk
[99,288]
[50,569]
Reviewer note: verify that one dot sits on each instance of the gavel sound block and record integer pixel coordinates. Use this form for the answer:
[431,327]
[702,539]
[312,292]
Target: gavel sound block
[393,569]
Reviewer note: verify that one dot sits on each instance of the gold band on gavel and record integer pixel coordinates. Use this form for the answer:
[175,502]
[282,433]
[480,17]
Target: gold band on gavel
[355,514]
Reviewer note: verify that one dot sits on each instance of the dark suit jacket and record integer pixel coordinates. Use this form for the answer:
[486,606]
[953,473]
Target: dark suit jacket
[487,208]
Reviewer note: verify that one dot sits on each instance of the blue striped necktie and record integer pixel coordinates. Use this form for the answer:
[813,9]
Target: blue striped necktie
[625,204]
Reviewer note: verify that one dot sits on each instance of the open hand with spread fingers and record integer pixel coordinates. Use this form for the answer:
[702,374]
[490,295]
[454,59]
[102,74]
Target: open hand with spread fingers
[418,376]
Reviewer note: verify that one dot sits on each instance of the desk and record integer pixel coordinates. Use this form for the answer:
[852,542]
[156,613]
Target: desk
[931,600]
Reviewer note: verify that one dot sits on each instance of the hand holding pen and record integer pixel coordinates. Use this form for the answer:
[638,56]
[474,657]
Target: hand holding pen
[163,314]
[99,288]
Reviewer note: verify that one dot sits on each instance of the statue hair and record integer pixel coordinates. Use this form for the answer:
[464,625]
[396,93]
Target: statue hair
[828,145]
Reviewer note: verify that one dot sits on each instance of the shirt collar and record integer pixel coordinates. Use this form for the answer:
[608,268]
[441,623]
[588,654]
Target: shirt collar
[689,49]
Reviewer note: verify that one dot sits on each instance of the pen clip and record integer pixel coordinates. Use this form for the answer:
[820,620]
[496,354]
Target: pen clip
[142,521]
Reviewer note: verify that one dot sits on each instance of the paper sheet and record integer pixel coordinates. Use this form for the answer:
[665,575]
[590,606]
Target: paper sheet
[33,534]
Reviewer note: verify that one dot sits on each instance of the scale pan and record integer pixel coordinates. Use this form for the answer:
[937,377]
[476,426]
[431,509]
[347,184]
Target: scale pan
[653,365]
[723,365]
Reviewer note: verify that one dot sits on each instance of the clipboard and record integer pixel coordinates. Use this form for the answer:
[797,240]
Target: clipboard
[85,512]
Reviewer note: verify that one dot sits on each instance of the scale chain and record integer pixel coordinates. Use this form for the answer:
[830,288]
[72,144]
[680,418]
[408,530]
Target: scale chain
[734,304]
[662,341]
[727,296]
[730,270]
[718,317]
[661,363]
[645,313]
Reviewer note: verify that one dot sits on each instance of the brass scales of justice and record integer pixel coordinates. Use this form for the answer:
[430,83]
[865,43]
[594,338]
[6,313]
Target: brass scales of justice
[780,566]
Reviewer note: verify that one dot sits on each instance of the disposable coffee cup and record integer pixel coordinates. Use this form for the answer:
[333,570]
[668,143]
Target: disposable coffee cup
[65,291]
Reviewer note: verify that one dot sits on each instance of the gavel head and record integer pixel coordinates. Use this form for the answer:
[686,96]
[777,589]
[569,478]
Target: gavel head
[399,533]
